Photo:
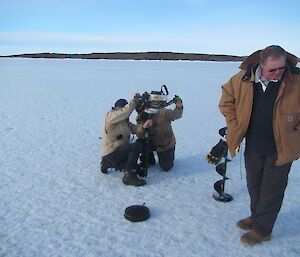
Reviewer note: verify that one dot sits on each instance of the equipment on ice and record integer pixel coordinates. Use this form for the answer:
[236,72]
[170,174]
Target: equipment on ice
[151,103]
[137,213]
[218,152]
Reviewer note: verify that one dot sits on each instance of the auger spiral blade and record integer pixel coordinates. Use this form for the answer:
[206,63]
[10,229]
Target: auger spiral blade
[219,186]
[221,169]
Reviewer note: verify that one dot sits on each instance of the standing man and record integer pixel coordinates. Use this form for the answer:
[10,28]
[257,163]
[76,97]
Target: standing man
[262,103]
[117,152]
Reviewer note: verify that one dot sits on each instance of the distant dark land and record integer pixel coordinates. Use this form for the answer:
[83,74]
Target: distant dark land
[136,56]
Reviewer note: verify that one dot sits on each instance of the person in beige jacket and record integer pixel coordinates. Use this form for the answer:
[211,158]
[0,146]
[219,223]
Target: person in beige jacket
[117,151]
[262,104]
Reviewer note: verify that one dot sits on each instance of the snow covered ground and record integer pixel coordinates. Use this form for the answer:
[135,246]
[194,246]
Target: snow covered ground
[55,202]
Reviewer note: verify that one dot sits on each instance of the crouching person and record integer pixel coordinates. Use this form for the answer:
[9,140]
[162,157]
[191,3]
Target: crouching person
[117,152]
[155,133]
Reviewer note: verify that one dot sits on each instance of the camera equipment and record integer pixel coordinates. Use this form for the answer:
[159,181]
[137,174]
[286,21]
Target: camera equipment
[218,152]
[151,103]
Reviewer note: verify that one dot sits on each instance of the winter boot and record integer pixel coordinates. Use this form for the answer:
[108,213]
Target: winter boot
[104,166]
[246,224]
[253,237]
[130,178]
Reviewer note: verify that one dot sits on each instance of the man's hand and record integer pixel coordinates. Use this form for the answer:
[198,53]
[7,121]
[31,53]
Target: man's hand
[223,132]
[148,124]
[137,96]
[178,101]
[217,152]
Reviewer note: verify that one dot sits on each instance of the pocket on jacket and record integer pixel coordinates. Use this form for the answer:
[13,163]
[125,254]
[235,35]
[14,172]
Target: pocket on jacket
[290,135]
[290,121]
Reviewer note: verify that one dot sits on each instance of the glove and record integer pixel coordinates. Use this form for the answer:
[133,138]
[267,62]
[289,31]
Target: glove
[223,132]
[137,96]
[178,101]
[217,152]
[145,97]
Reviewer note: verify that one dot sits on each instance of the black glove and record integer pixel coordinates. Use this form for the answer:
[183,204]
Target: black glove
[223,132]
[217,152]
[145,97]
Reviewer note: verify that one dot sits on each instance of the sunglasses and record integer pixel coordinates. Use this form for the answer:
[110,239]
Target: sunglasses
[275,69]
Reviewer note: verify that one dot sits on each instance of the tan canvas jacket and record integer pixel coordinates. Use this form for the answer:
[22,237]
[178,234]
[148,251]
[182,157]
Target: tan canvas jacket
[117,128]
[236,106]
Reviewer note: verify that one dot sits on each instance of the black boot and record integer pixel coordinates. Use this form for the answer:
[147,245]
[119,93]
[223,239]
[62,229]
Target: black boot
[130,178]
[104,166]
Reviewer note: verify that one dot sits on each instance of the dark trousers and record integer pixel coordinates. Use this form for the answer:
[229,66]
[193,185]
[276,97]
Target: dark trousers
[166,159]
[266,184]
[124,157]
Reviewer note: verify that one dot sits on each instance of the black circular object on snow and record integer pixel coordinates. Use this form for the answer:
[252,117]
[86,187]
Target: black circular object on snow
[137,213]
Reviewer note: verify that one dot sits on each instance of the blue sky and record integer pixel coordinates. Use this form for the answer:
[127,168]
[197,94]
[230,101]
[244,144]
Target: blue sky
[194,26]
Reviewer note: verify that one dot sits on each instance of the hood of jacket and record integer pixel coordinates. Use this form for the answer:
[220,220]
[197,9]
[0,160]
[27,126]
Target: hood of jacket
[251,62]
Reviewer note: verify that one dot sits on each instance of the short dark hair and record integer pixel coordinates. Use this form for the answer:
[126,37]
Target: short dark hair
[274,51]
